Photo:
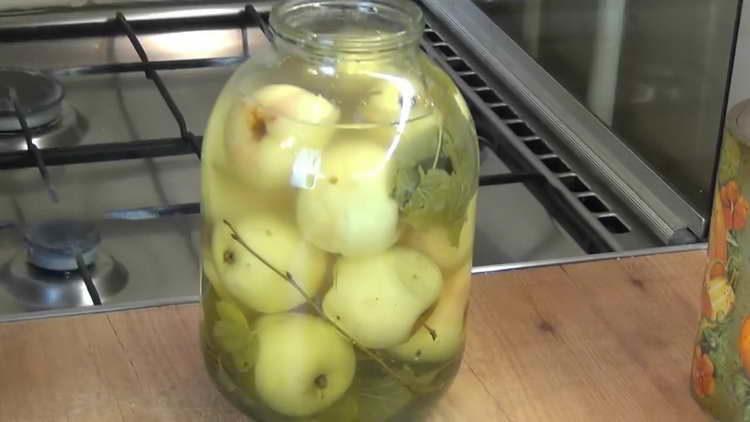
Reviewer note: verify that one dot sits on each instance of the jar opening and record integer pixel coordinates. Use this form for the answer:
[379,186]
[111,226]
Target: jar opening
[348,26]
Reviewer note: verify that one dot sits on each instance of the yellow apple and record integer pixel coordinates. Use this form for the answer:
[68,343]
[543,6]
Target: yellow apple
[265,132]
[304,365]
[253,283]
[377,299]
[350,210]
[446,322]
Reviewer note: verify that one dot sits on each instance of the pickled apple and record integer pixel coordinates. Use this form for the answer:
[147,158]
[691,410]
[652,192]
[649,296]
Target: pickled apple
[350,210]
[303,364]
[377,299]
[266,131]
[446,322]
[255,284]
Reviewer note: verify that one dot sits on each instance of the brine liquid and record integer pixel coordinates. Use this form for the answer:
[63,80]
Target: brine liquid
[396,374]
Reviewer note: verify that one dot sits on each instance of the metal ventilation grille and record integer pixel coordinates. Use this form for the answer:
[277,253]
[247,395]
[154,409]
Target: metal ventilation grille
[534,143]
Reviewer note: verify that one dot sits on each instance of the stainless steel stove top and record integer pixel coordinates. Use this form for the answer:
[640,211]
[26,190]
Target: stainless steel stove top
[144,208]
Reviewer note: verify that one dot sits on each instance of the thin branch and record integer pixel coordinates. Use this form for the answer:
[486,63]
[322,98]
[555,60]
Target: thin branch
[290,279]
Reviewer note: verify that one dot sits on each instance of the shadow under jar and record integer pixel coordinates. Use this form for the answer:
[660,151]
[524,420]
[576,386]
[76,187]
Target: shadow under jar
[340,174]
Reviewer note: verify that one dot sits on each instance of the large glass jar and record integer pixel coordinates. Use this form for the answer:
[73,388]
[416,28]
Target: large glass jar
[340,172]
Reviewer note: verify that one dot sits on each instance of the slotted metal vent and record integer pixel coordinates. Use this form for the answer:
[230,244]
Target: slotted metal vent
[538,146]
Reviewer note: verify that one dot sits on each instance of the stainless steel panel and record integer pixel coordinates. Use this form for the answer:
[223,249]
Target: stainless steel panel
[655,72]
[626,175]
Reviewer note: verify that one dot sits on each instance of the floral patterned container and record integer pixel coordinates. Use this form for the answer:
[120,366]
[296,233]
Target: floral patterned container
[721,357]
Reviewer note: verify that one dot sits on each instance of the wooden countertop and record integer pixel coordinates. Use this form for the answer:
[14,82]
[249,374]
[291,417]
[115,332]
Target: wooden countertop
[598,341]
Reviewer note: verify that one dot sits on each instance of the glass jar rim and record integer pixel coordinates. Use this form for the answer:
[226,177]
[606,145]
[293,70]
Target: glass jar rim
[290,21]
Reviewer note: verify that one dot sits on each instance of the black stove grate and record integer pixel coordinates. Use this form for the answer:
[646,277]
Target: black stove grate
[185,134]
[32,152]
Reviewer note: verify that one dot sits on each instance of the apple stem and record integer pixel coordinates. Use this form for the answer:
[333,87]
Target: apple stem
[290,279]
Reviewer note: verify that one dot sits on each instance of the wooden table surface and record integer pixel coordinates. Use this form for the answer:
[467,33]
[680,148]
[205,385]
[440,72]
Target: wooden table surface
[598,341]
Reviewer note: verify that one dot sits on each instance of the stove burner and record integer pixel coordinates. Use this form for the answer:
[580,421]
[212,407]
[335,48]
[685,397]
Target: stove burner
[68,130]
[54,245]
[39,95]
[38,289]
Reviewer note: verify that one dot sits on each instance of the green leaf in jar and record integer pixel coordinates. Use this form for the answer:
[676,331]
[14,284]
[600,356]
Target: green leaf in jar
[436,191]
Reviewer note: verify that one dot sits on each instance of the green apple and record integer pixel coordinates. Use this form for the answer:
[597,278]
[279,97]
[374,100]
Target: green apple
[447,322]
[253,283]
[377,299]
[304,365]
[435,242]
[265,132]
[350,210]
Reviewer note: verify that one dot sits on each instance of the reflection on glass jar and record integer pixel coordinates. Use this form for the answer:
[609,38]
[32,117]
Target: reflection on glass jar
[340,173]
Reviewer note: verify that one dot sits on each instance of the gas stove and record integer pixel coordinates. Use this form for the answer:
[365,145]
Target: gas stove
[101,115]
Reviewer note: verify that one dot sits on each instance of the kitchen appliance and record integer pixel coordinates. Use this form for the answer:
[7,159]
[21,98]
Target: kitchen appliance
[123,154]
